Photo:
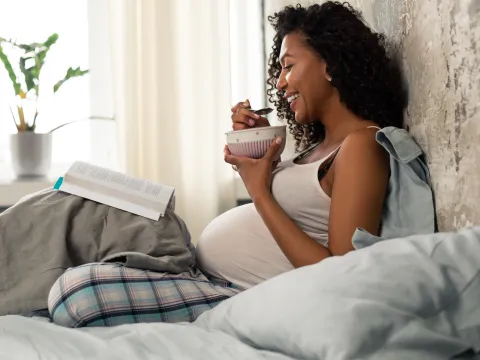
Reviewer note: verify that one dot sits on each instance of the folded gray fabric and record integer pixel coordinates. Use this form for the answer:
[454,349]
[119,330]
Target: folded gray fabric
[49,231]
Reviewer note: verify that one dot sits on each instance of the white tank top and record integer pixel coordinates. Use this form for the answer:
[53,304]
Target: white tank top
[237,245]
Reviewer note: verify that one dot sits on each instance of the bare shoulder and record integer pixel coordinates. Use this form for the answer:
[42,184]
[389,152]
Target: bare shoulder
[361,147]
[360,182]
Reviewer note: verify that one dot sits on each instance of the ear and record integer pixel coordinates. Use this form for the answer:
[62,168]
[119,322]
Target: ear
[325,71]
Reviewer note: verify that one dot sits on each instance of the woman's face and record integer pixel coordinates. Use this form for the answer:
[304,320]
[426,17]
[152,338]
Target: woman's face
[303,79]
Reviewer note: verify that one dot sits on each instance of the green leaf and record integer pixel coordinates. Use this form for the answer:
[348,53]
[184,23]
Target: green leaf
[71,73]
[43,48]
[8,66]
[52,39]
[30,128]
[34,120]
[27,47]
[36,73]
[28,73]
[13,117]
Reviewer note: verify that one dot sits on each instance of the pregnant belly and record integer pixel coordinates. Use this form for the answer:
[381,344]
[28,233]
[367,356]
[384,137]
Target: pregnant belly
[238,247]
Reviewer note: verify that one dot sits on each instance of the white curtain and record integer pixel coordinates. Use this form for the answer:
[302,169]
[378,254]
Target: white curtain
[171,76]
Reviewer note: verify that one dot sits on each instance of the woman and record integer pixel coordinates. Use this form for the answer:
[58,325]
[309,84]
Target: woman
[331,79]
[336,87]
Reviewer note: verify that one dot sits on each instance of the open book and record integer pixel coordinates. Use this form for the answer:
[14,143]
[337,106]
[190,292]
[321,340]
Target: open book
[137,196]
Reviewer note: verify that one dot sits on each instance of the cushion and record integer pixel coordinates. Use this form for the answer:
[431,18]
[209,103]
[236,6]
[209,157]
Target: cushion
[410,298]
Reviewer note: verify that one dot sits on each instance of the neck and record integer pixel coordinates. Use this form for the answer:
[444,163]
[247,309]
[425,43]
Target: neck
[339,121]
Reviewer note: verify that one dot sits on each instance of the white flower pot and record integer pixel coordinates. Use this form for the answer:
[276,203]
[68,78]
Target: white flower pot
[31,154]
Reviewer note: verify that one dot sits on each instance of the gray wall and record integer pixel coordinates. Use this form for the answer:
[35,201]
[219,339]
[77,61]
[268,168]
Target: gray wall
[438,43]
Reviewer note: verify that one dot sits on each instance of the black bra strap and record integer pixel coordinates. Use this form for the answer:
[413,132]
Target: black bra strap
[322,171]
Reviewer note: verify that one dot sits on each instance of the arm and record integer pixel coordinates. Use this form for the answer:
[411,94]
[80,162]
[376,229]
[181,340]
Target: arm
[361,172]
[360,182]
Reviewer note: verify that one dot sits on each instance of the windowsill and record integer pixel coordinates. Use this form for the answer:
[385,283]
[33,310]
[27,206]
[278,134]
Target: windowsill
[13,189]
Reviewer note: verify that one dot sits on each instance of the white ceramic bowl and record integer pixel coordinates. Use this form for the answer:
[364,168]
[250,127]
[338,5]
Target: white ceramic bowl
[254,143]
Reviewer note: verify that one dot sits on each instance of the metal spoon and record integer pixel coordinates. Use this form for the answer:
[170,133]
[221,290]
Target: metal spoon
[263,111]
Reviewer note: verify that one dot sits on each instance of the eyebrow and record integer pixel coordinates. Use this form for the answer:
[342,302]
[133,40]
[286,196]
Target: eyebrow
[283,57]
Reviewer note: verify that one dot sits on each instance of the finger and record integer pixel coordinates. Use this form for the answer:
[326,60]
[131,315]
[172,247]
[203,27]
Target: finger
[261,122]
[249,113]
[249,117]
[273,149]
[232,160]
[245,116]
[242,104]
[238,106]
[240,126]
[229,158]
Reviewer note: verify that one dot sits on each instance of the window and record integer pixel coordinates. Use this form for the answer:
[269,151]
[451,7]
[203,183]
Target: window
[247,52]
[84,31]
[248,63]
[81,30]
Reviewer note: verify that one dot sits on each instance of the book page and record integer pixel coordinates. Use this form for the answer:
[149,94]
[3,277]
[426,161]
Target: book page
[110,201]
[114,183]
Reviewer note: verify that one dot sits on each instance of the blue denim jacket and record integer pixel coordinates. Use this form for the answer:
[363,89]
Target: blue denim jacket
[409,205]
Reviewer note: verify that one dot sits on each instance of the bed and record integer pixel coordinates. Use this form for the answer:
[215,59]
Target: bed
[410,298]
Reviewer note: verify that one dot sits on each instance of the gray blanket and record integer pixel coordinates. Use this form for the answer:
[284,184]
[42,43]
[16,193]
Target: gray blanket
[49,231]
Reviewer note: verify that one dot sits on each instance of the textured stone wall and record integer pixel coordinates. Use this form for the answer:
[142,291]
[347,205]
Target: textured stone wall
[438,44]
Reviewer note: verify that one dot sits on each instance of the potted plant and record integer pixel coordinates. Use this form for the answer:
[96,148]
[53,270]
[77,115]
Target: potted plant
[31,152]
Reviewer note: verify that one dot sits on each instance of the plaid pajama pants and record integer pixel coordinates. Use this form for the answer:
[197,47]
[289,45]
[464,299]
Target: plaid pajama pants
[106,294]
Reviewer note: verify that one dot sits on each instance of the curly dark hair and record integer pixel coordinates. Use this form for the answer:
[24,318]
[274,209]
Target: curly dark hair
[369,81]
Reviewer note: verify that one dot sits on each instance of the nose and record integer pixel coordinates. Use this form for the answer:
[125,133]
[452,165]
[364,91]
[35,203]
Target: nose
[282,82]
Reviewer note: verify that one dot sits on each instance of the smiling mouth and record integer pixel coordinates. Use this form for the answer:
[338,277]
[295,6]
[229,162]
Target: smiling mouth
[292,98]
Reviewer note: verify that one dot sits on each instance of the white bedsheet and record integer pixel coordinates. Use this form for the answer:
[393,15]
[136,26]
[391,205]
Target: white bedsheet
[27,339]
[406,299]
